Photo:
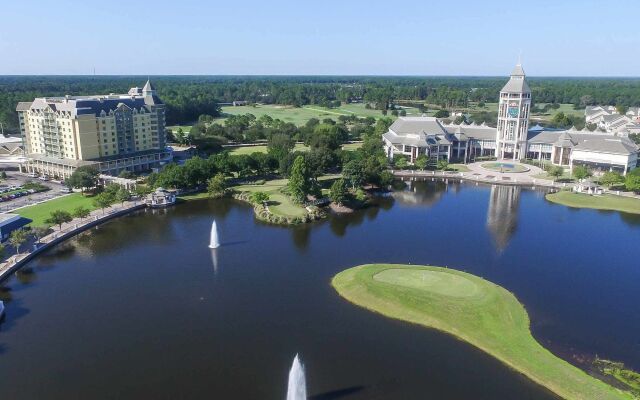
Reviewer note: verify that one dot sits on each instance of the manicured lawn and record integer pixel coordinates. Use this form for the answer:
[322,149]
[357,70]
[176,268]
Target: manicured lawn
[300,115]
[565,108]
[260,149]
[298,147]
[476,311]
[458,168]
[351,146]
[40,212]
[279,203]
[194,196]
[185,128]
[603,202]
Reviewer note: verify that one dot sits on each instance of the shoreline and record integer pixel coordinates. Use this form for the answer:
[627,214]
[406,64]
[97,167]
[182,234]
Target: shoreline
[73,228]
[365,293]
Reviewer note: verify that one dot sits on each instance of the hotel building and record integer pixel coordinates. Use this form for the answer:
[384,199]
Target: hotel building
[112,133]
[513,139]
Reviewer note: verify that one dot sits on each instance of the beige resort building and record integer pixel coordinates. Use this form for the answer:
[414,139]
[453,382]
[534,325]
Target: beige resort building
[513,139]
[112,133]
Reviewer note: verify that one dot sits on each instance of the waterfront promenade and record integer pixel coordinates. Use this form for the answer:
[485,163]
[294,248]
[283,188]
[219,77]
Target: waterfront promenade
[479,174]
[67,231]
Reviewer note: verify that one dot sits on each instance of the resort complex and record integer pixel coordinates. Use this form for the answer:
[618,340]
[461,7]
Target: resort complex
[608,119]
[113,133]
[513,139]
[370,227]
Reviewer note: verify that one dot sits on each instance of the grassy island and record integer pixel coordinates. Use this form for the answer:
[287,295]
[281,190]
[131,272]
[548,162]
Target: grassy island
[472,309]
[601,202]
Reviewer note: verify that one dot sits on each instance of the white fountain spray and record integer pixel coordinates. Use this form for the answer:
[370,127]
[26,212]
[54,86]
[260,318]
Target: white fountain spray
[297,389]
[214,242]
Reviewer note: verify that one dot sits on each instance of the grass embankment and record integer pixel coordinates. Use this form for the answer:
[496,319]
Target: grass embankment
[279,203]
[600,202]
[472,309]
[39,213]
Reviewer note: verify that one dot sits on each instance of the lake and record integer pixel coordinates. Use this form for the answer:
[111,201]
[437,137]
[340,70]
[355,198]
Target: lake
[140,307]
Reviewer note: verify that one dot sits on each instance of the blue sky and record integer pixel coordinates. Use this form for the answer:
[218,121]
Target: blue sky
[556,38]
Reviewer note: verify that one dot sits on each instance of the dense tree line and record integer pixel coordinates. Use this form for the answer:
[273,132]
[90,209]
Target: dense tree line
[191,96]
[366,165]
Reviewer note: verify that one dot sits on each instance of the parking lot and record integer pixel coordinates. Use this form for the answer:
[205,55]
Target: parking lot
[17,179]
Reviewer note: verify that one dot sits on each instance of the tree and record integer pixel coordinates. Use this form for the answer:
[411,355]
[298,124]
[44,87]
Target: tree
[259,197]
[443,164]
[122,195]
[632,182]
[83,177]
[103,200]
[386,178]
[17,238]
[217,186]
[622,109]
[59,217]
[142,190]
[401,162]
[279,147]
[338,191]
[611,178]
[2,251]
[126,174]
[353,172]
[422,161]
[39,232]
[81,212]
[556,172]
[441,114]
[581,172]
[299,184]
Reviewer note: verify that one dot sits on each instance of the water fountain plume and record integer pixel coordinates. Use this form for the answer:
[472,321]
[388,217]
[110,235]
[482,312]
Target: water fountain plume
[297,389]
[214,242]
[214,260]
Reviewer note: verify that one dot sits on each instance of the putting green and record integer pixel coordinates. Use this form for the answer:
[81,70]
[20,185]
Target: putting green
[474,310]
[438,282]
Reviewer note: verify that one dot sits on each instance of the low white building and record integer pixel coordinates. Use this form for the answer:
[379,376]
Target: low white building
[609,120]
[513,139]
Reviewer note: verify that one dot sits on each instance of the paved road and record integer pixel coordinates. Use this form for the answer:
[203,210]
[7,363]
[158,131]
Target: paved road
[18,179]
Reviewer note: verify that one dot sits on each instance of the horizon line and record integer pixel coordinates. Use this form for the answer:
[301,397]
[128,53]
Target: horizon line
[320,75]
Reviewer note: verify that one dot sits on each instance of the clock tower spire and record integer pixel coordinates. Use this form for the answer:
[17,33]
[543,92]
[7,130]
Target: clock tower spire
[513,117]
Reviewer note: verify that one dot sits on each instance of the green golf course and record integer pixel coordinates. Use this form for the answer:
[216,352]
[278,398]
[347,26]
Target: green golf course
[472,309]
[606,202]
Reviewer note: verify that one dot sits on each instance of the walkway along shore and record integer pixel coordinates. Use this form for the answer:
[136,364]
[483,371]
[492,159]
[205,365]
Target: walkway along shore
[68,230]
[497,178]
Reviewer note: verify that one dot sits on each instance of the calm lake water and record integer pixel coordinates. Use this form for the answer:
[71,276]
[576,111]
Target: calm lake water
[141,308]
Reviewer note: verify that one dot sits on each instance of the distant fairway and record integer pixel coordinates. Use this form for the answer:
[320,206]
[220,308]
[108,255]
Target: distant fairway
[472,309]
[300,115]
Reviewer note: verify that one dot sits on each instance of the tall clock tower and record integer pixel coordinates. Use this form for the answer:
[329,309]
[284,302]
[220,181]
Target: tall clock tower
[513,117]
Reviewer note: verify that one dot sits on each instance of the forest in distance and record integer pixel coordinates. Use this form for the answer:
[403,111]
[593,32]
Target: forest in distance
[188,97]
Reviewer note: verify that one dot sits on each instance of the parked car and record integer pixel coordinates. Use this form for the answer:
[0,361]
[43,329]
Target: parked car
[65,190]
[43,178]
[33,175]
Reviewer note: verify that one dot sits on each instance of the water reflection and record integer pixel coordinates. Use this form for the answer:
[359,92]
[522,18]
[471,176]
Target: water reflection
[502,210]
[214,260]
[502,214]
[301,235]
[423,192]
